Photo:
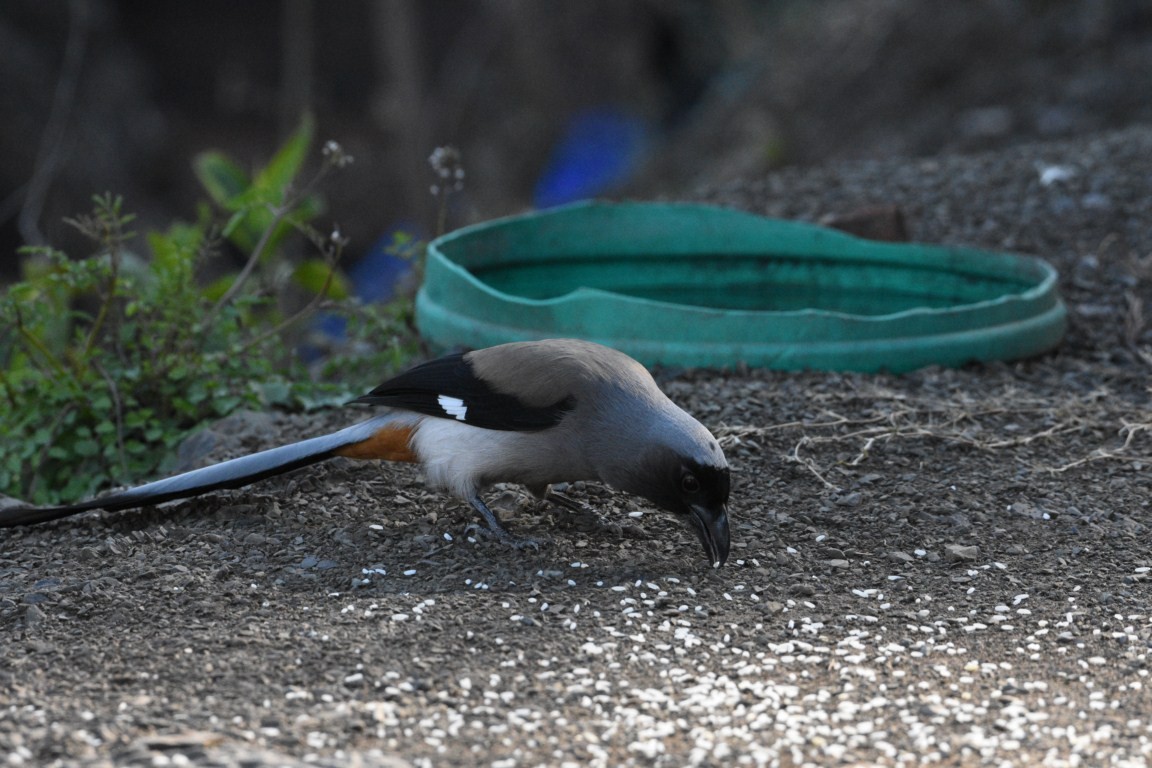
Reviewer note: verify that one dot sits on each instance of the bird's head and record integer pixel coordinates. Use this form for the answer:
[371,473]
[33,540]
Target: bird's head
[646,445]
[693,489]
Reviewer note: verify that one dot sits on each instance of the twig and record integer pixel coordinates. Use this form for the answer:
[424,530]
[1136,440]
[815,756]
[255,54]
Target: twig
[34,343]
[334,158]
[107,302]
[117,414]
[746,431]
[863,452]
[30,487]
[903,424]
[1055,429]
[1129,430]
[333,255]
[809,464]
[279,213]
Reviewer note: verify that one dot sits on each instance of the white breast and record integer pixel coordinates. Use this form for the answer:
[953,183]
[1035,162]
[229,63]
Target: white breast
[456,456]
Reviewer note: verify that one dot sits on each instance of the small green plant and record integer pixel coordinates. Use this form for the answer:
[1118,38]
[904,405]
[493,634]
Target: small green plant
[107,362]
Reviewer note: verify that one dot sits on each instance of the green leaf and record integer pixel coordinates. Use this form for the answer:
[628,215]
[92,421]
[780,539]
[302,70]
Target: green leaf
[227,404]
[176,248]
[312,274]
[218,287]
[86,447]
[235,222]
[38,266]
[276,392]
[286,163]
[137,418]
[223,180]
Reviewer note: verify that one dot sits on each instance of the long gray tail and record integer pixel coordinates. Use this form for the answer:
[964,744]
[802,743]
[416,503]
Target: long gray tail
[234,473]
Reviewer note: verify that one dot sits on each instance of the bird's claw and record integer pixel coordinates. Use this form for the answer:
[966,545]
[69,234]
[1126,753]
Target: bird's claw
[524,542]
[502,536]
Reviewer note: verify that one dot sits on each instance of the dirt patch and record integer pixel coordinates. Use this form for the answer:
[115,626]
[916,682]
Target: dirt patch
[947,566]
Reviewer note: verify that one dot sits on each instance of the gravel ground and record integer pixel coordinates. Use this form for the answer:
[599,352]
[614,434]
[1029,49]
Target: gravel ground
[948,566]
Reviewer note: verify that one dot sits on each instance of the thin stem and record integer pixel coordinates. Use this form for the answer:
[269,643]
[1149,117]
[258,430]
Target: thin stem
[109,298]
[117,415]
[279,214]
[6,384]
[307,309]
[37,345]
[34,478]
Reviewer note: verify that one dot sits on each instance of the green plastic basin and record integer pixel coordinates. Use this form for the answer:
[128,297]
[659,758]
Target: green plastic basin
[690,285]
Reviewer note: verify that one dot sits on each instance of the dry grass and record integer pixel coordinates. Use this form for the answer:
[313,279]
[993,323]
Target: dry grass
[1065,427]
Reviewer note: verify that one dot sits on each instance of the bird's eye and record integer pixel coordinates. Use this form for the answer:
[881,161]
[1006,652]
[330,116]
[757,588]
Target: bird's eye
[689,483]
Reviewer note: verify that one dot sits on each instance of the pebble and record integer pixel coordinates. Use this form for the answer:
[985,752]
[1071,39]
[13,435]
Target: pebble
[959,553]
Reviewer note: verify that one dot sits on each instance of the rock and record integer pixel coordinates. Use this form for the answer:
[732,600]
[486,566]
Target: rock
[961,553]
[879,222]
[33,616]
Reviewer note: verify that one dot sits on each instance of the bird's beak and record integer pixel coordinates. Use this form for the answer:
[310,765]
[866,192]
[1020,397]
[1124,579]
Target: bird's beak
[712,529]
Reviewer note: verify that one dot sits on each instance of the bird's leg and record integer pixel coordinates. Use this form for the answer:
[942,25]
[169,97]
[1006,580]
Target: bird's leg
[495,529]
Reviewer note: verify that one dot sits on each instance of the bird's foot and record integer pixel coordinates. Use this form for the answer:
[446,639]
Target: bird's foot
[501,535]
[495,530]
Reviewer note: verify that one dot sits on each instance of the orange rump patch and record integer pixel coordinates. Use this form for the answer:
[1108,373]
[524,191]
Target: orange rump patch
[389,443]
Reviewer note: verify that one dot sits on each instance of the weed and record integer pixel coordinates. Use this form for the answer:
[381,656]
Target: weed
[107,362]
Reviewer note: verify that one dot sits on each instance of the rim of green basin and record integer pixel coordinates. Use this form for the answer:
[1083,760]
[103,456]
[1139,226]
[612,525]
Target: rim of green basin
[691,285]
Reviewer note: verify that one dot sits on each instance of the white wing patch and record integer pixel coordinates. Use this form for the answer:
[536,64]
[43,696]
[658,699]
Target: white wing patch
[453,406]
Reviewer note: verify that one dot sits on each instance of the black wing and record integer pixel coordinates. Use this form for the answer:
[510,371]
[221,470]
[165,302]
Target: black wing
[448,389]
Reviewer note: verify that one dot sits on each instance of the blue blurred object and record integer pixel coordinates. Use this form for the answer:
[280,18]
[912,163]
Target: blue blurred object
[599,151]
[375,277]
